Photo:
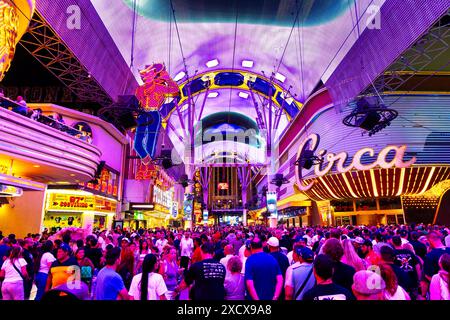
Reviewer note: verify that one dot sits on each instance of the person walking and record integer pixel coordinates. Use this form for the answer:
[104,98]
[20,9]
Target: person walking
[43,263]
[148,285]
[14,273]
[110,285]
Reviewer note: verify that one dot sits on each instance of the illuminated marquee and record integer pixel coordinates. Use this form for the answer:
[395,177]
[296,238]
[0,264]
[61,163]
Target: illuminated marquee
[75,202]
[339,159]
[14,19]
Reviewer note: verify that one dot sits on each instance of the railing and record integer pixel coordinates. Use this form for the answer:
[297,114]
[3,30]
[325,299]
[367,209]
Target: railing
[48,121]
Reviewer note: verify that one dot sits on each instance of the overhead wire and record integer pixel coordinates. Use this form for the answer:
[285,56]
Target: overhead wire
[234,56]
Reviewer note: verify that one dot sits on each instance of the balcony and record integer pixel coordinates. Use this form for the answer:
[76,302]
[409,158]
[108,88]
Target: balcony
[42,149]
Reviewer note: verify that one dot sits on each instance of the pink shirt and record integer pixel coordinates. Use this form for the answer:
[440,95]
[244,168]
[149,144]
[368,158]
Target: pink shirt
[439,286]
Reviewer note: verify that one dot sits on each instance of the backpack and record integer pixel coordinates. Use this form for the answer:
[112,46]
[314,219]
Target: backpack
[86,272]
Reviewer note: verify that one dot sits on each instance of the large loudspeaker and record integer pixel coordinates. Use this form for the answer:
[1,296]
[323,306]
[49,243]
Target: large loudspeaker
[279,179]
[369,121]
[166,156]
[184,180]
[307,159]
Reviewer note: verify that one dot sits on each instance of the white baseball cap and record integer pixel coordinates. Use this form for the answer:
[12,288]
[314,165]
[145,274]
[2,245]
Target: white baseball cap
[273,242]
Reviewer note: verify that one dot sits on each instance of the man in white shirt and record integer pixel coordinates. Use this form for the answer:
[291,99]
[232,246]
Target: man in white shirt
[186,250]
[161,242]
[308,237]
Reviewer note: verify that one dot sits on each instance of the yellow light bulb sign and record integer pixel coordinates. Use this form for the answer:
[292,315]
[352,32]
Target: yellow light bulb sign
[14,19]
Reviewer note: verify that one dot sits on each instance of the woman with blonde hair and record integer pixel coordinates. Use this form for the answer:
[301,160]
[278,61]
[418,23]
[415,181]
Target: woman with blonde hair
[13,273]
[393,290]
[350,256]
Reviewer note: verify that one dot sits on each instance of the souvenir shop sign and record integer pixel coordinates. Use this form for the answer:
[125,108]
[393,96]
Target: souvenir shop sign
[105,205]
[71,202]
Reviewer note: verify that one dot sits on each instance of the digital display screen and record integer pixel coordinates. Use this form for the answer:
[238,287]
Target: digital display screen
[222,186]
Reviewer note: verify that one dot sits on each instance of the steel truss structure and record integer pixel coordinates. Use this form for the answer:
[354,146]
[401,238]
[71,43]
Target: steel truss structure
[43,43]
[414,62]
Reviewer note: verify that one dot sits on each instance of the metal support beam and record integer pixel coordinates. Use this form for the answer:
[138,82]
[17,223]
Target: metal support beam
[244,174]
[432,46]
[42,42]
[203,105]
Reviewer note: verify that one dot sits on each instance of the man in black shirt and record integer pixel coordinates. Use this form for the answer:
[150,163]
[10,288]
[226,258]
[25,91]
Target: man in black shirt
[387,254]
[409,263]
[28,256]
[325,289]
[93,252]
[419,247]
[209,276]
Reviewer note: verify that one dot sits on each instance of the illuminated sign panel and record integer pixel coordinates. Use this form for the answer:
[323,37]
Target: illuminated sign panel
[82,203]
[164,198]
[272,204]
[339,160]
[188,206]
[174,209]
[408,157]
[10,191]
[71,202]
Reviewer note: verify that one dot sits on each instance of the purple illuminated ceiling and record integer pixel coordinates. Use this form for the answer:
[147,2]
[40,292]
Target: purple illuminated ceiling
[300,55]
[312,53]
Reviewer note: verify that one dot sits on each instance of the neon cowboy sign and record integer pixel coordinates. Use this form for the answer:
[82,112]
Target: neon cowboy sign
[312,143]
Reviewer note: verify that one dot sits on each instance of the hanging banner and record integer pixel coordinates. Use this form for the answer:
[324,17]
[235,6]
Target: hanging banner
[174,209]
[272,204]
[205,216]
[188,206]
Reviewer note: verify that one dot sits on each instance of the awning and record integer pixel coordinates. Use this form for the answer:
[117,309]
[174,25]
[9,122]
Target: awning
[21,183]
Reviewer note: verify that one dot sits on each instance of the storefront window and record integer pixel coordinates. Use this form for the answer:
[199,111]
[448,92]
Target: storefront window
[342,206]
[55,221]
[390,203]
[364,205]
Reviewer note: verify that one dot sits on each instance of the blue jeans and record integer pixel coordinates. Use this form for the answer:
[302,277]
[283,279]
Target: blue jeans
[41,281]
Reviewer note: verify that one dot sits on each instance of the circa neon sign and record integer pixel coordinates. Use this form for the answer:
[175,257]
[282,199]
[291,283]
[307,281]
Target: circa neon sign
[340,158]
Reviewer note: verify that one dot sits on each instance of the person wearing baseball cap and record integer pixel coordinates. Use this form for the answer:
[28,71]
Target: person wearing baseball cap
[368,285]
[63,268]
[299,278]
[273,245]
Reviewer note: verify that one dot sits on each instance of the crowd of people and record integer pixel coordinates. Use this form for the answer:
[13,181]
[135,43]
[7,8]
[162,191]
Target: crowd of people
[397,262]
[55,120]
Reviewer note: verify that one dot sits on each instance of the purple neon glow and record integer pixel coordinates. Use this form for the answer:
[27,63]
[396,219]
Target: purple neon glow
[318,49]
